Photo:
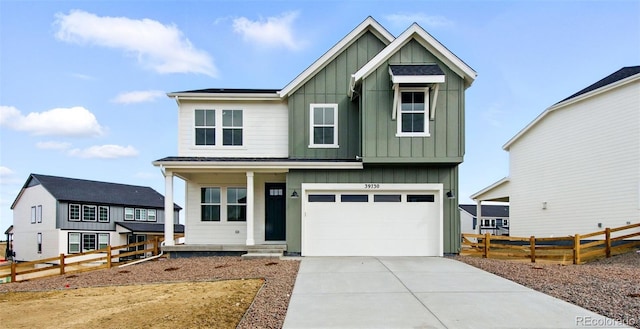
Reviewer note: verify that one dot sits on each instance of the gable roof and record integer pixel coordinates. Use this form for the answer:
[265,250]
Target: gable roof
[415,32]
[368,25]
[487,210]
[87,191]
[616,79]
[138,227]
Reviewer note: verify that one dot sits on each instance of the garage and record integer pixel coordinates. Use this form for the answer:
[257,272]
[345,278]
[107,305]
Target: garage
[372,219]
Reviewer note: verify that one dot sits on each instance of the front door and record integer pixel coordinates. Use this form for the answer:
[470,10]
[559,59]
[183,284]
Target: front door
[275,208]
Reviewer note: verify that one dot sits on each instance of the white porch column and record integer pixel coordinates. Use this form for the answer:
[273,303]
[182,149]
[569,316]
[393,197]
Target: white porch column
[250,239]
[168,209]
[479,214]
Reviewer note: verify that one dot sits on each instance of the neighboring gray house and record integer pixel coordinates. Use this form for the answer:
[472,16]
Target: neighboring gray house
[57,215]
[494,219]
[357,155]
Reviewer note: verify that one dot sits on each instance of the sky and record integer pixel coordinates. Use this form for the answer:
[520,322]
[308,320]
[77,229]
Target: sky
[83,83]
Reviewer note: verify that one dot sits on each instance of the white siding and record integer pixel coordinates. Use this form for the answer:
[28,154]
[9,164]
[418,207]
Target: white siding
[265,130]
[223,232]
[583,162]
[25,233]
[466,223]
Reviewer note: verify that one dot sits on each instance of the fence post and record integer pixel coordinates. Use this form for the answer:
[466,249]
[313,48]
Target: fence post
[155,246]
[13,270]
[607,234]
[576,249]
[487,244]
[61,264]
[532,245]
[108,256]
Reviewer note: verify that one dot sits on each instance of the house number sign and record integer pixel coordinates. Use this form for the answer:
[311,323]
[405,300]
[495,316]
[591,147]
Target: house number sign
[372,186]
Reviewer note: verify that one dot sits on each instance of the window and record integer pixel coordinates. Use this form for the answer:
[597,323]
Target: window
[412,117]
[39,214]
[88,242]
[103,214]
[324,124]
[210,204]
[205,127]
[387,198]
[141,214]
[103,240]
[33,215]
[74,243]
[236,204]
[354,198]
[128,214]
[232,127]
[420,198]
[39,241]
[74,212]
[89,213]
[151,215]
[322,198]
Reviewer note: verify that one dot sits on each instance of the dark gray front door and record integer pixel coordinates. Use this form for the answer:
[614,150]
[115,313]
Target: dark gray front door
[275,204]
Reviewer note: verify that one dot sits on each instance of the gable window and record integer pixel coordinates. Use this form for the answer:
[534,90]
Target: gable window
[74,212]
[205,127]
[151,215]
[232,127]
[33,215]
[103,214]
[412,116]
[323,128]
[128,214]
[89,213]
[236,204]
[210,204]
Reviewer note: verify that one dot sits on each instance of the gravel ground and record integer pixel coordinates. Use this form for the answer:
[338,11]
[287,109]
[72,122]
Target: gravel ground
[267,311]
[610,286]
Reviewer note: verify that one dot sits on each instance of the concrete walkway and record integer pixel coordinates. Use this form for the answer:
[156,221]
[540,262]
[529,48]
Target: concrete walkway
[421,292]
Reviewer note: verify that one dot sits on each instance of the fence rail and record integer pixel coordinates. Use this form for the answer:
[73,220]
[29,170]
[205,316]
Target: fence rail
[578,248]
[80,262]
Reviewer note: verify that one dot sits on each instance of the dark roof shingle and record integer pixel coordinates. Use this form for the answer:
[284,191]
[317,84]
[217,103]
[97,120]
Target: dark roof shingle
[149,227]
[618,75]
[487,210]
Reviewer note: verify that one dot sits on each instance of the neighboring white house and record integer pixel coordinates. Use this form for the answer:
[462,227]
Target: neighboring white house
[58,215]
[576,167]
[494,220]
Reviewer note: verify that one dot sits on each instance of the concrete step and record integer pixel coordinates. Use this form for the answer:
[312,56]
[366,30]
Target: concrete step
[265,251]
[253,255]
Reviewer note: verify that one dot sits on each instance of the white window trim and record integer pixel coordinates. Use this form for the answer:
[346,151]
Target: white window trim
[108,214]
[223,127]
[33,214]
[223,212]
[335,125]
[79,213]
[140,211]
[79,243]
[39,243]
[98,239]
[398,109]
[95,212]
[219,127]
[133,214]
[215,127]
[228,203]
[39,214]
[149,212]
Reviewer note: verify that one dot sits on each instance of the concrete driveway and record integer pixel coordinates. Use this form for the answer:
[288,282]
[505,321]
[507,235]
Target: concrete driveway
[421,292]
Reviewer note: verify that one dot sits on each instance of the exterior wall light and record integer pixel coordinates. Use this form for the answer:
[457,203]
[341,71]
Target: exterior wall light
[294,195]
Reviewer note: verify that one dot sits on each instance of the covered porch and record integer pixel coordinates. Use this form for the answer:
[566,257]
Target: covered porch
[496,192]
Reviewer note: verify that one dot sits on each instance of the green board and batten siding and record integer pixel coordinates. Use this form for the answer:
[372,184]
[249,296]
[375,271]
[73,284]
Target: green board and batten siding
[331,85]
[445,174]
[380,144]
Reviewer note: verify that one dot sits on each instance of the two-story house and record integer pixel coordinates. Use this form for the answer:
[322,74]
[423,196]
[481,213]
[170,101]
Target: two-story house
[358,155]
[59,215]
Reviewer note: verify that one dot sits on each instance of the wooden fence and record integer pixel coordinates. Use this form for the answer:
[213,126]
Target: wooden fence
[80,262]
[577,249]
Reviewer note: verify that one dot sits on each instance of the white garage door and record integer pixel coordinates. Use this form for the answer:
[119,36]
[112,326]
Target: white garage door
[372,220]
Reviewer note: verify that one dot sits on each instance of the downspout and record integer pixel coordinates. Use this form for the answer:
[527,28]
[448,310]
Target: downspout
[146,259]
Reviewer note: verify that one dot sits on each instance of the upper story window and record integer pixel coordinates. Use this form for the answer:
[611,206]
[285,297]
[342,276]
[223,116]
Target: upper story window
[74,212]
[323,129]
[89,213]
[128,214]
[103,214]
[232,127]
[205,127]
[33,215]
[412,116]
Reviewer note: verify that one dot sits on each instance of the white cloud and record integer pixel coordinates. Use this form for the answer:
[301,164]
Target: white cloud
[138,96]
[108,151]
[405,20]
[4,171]
[53,145]
[163,48]
[272,32]
[75,121]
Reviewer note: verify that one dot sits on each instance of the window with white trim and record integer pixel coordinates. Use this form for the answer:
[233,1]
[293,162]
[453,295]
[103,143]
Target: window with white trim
[232,127]
[412,113]
[128,214]
[39,214]
[74,242]
[141,214]
[39,242]
[103,240]
[89,213]
[323,129]
[103,214]
[33,215]
[74,212]
[82,242]
[205,127]
[88,242]
[151,215]
[210,204]
[236,204]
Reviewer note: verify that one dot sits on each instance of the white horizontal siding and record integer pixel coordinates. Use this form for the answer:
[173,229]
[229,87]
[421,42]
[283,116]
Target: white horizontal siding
[265,130]
[25,243]
[584,162]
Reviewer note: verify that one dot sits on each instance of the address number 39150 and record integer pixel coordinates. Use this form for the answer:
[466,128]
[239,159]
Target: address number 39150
[372,186]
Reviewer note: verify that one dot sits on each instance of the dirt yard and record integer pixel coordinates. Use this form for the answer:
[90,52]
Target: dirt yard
[219,304]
